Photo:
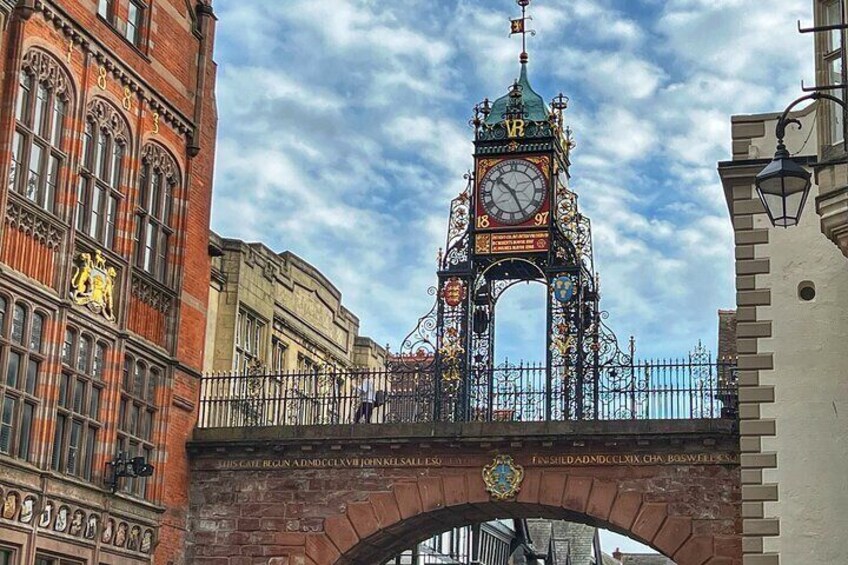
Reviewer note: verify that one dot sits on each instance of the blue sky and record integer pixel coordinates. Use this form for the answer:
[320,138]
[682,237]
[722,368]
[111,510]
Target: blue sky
[343,136]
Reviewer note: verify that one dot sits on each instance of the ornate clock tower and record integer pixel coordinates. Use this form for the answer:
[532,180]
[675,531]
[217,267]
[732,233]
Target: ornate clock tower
[517,221]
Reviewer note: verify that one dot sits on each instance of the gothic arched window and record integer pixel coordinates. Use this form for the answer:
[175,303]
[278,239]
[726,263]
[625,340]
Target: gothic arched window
[158,183]
[101,172]
[42,109]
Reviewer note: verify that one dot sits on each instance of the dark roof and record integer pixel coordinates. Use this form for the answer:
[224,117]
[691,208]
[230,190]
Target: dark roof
[534,107]
[562,540]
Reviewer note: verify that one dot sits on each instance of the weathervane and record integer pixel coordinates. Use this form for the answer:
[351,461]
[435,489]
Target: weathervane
[519,25]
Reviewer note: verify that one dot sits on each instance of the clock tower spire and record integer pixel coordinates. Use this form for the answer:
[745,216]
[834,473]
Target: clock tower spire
[517,221]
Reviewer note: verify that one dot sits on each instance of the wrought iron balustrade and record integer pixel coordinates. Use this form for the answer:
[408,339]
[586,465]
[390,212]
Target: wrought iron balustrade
[653,390]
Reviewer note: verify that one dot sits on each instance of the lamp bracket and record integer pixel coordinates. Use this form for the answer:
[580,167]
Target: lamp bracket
[823,88]
[816,29]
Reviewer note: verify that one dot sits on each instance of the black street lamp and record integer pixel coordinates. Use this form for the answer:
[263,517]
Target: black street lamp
[783,185]
[126,467]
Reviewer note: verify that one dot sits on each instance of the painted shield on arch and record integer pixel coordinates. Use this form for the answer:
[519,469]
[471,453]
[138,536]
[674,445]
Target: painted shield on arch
[563,288]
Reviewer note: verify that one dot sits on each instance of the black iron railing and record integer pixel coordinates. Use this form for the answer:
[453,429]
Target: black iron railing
[518,393]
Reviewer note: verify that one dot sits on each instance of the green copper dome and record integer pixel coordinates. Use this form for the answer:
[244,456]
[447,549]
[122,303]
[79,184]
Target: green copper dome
[534,107]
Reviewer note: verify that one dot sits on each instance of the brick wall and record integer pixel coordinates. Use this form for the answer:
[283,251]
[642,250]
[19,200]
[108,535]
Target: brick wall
[357,496]
[164,92]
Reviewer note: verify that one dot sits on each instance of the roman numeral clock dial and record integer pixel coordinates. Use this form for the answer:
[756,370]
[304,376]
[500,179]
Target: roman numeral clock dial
[513,191]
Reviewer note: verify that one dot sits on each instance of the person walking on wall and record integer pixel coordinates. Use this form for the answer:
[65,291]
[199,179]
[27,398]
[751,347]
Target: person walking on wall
[367,397]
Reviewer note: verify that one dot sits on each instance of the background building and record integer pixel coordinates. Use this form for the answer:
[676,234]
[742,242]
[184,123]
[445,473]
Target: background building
[275,314]
[831,199]
[277,311]
[107,141]
[792,286]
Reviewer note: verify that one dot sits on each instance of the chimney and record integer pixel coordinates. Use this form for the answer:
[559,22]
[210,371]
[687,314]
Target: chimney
[617,555]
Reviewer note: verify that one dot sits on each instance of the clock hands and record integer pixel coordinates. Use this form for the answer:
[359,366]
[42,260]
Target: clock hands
[511,191]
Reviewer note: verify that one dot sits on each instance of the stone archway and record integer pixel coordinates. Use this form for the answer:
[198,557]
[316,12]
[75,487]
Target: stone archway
[347,495]
[385,524]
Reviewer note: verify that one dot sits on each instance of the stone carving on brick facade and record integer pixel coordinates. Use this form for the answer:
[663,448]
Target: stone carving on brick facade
[312,309]
[269,271]
[27,510]
[76,523]
[151,295]
[108,531]
[503,478]
[134,539]
[61,519]
[146,541]
[47,70]
[91,527]
[34,223]
[46,516]
[10,505]
[156,157]
[106,117]
[93,285]
[121,535]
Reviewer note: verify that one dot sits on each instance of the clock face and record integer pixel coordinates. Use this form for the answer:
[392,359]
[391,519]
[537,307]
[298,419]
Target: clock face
[512,191]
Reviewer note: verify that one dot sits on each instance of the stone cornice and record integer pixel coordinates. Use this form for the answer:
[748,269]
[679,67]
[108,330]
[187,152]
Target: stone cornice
[114,65]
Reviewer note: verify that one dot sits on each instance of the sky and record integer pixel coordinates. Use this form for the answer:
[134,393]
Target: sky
[344,134]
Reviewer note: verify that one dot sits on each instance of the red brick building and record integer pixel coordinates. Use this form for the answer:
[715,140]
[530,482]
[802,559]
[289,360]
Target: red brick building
[107,138]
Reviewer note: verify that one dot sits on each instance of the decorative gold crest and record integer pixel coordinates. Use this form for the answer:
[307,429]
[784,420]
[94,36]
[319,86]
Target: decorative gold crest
[454,292]
[503,478]
[93,285]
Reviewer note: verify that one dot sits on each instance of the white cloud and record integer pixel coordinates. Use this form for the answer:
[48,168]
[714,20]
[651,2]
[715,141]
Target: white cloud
[343,138]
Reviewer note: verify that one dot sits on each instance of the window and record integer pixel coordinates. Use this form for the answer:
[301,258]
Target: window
[101,172]
[105,9]
[78,411]
[250,336]
[158,182]
[137,415]
[832,60]
[135,21]
[40,111]
[22,343]
[278,357]
[41,559]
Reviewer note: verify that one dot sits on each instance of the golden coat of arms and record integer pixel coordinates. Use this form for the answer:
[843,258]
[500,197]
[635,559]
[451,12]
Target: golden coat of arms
[503,478]
[93,285]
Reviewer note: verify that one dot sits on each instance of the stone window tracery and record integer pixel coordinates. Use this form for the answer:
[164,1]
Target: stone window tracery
[42,107]
[137,416]
[105,143]
[22,330]
[158,183]
[81,387]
